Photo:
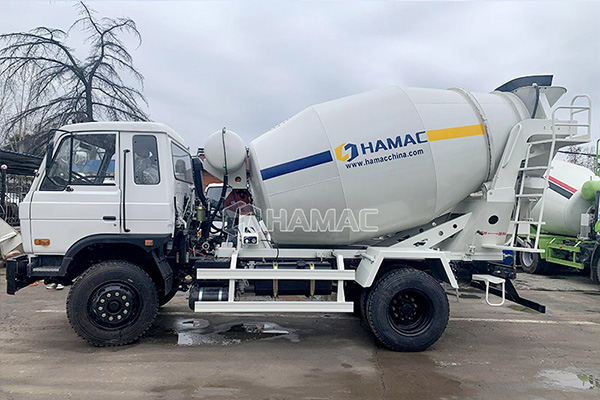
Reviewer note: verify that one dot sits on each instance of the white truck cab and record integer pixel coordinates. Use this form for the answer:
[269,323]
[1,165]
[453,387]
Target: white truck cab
[107,179]
[107,191]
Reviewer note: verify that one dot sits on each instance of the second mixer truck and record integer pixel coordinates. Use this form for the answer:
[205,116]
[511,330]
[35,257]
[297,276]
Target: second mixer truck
[371,202]
[569,235]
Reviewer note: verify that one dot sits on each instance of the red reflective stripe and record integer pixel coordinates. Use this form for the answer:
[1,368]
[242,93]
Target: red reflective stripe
[562,184]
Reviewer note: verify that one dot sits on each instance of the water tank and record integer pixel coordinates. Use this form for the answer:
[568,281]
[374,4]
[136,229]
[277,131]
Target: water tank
[402,156]
[564,201]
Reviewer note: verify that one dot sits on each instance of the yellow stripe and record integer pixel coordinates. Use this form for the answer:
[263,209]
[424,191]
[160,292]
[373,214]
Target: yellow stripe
[453,133]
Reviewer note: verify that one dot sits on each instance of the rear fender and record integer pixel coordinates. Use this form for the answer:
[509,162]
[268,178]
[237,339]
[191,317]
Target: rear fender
[373,257]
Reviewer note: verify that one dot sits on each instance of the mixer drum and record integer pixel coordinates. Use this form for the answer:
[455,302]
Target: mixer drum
[377,163]
[564,202]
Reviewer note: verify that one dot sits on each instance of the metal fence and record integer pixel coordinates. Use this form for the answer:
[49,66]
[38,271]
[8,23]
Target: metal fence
[13,189]
[16,174]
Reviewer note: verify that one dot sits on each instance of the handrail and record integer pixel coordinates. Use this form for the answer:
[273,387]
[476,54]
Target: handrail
[574,109]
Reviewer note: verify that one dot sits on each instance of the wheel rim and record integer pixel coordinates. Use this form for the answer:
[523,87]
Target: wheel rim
[526,259]
[410,312]
[114,305]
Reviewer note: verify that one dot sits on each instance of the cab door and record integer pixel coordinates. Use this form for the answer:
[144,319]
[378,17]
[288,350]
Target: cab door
[80,194]
[147,186]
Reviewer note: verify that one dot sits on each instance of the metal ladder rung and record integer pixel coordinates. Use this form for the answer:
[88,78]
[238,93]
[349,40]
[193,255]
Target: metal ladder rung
[546,141]
[541,168]
[529,222]
[568,124]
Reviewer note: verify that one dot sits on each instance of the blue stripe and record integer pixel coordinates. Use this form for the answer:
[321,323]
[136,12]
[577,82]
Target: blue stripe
[296,165]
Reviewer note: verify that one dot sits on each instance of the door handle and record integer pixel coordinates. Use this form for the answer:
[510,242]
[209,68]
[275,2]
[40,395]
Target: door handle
[109,218]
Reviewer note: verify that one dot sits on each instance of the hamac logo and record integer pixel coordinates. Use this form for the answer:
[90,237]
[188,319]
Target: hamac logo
[346,152]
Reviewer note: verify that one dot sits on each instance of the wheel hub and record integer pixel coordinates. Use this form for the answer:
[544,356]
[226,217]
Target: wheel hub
[409,311]
[113,305]
[404,308]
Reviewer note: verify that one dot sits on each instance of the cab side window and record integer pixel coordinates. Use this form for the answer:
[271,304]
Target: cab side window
[82,160]
[145,160]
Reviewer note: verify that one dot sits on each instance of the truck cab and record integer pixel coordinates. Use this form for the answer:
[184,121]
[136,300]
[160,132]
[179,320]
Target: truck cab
[107,190]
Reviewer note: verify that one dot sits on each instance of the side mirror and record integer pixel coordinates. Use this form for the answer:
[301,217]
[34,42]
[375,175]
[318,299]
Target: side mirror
[198,168]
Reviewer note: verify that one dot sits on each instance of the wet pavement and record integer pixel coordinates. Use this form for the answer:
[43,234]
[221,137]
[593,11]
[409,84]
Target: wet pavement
[196,332]
[486,352]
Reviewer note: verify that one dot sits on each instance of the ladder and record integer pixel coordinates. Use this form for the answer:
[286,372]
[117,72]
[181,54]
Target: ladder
[528,194]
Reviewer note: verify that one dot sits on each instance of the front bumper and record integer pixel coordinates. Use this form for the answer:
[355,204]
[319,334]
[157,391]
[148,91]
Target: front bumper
[16,274]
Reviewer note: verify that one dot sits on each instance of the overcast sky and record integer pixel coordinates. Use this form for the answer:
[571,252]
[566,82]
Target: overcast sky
[249,65]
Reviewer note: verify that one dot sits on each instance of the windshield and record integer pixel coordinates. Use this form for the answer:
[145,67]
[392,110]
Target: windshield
[83,159]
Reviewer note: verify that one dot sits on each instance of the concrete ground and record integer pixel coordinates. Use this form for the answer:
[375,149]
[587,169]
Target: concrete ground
[492,353]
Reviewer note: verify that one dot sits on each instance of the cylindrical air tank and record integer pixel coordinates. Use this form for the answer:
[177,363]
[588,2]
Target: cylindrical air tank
[565,200]
[377,163]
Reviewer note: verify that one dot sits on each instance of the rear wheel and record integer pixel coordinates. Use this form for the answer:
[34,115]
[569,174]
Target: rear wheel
[113,303]
[407,310]
[532,263]
[364,296]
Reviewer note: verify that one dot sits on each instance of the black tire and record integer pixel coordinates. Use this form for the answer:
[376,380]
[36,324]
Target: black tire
[532,263]
[364,296]
[407,310]
[164,299]
[112,304]
[595,271]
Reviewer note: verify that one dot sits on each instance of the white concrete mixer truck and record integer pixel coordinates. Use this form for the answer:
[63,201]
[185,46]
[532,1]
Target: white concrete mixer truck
[370,202]
[570,232]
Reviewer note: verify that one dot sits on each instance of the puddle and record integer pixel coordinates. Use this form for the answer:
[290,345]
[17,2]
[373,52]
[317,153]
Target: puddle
[571,379]
[200,333]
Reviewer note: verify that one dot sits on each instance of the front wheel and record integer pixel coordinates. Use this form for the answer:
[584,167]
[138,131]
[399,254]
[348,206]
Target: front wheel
[407,310]
[113,303]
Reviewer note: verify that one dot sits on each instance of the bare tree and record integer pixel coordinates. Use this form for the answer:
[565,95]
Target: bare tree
[4,99]
[18,97]
[581,155]
[61,87]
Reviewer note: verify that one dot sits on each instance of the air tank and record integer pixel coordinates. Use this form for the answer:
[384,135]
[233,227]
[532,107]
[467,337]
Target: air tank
[565,200]
[376,163]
